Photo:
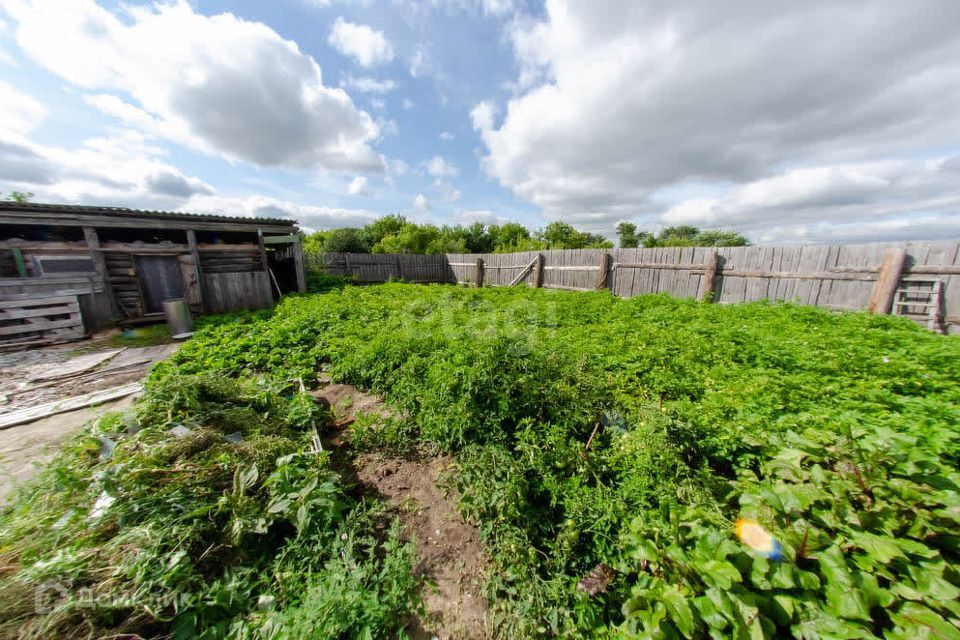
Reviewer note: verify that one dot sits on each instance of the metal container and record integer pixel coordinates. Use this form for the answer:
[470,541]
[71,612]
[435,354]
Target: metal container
[178,317]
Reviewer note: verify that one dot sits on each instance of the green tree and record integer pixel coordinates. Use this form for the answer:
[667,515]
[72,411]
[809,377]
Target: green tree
[345,240]
[627,233]
[681,236]
[20,197]
[380,228]
[313,243]
[717,238]
[410,238]
[507,236]
[560,235]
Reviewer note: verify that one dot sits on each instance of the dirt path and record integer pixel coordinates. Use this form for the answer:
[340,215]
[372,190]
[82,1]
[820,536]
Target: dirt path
[451,556]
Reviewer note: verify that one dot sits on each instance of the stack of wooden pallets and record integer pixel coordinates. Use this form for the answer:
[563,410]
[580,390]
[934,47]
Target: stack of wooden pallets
[34,321]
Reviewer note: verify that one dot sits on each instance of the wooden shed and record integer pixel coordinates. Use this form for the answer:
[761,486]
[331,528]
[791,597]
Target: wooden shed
[68,270]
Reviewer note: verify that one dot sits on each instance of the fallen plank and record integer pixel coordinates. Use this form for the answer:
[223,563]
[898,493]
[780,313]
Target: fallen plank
[75,366]
[47,409]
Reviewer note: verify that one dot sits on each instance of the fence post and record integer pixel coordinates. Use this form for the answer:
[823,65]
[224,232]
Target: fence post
[705,294]
[100,265]
[538,271]
[881,300]
[604,268]
[478,274]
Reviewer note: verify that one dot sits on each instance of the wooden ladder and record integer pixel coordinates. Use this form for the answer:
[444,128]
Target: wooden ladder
[925,294]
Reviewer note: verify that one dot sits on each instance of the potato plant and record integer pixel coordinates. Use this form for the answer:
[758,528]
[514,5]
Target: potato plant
[606,447]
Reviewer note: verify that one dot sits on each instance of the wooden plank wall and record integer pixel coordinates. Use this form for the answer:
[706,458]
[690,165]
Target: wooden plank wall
[234,291]
[382,267]
[830,276]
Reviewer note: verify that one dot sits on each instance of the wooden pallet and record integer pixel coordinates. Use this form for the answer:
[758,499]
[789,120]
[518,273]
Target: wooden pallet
[37,321]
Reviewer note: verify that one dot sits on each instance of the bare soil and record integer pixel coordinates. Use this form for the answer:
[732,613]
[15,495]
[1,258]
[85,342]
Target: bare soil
[451,557]
[450,553]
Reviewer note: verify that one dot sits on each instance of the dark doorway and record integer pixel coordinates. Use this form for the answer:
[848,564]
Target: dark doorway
[160,280]
[284,268]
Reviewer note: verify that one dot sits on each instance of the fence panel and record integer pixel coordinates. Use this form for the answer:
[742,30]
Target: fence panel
[830,276]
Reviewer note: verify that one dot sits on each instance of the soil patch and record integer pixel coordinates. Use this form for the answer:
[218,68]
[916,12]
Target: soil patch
[451,555]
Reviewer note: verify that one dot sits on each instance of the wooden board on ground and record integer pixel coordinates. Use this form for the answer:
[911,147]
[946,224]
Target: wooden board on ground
[69,404]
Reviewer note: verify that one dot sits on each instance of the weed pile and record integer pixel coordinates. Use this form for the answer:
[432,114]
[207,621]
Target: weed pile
[204,515]
[605,448]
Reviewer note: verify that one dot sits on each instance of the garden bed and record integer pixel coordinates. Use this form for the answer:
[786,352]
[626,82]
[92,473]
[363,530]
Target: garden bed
[603,448]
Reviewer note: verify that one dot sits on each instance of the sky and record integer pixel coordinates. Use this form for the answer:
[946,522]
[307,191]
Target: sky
[791,122]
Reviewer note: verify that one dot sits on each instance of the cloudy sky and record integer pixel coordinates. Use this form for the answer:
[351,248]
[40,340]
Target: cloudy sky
[789,121]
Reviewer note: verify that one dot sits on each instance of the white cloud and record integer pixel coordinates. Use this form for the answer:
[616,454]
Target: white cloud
[482,116]
[5,58]
[845,201]
[407,104]
[216,83]
[357,186]
[310,217]
[420,203]
[440,168]
[367,46]
[448,193]
[366,84]
[417,62]
[19,113]
[120,170]
[619,100]
[447,136]
[497,7]
[478,215]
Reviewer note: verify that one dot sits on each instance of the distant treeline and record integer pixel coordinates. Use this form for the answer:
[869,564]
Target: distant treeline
[396,234]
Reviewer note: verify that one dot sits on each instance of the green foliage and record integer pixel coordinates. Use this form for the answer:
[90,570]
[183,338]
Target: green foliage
[21,197]
[396,234]
[204,515]
[591,431]
[687,236]
[560,235]
[320,282]
[345,241]
[682,236]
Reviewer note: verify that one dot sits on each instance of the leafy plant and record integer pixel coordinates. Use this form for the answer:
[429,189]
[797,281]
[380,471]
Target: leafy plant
[589,432]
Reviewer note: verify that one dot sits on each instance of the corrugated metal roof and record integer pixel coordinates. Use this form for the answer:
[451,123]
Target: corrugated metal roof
[123,212]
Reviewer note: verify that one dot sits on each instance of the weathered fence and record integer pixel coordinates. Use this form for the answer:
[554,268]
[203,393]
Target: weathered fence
[920,280]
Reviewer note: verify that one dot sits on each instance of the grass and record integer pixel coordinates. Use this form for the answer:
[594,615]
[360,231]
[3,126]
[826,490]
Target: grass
[593,436]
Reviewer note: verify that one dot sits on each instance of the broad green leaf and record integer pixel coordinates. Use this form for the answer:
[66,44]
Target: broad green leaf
[719,573]
[917,621]
[680,612]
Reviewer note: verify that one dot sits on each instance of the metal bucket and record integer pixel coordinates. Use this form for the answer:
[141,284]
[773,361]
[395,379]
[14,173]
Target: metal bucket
[178,317]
